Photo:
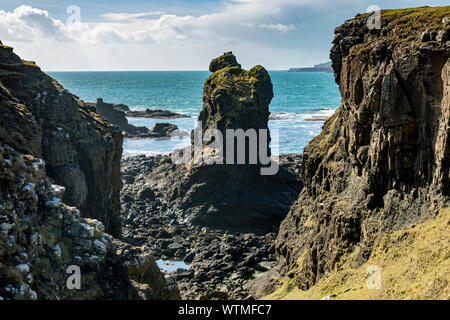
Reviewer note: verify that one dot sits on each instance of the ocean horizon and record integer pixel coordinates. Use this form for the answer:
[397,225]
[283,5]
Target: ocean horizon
[299,100]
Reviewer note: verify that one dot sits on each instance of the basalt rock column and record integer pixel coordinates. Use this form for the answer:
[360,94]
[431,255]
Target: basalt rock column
[234,98]
[230,194]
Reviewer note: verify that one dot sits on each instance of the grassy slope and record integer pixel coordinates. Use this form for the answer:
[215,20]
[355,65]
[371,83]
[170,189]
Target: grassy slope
[414,262]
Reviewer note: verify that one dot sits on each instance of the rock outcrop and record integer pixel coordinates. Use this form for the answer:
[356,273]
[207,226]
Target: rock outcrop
[382,160]
[81,150]
[236,195]
[148,113]
[235,99]
[226,195]
[57,155]
[116,114]
[155,113]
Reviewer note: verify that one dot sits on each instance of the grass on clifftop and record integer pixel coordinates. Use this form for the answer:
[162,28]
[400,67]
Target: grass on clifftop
[403,26]
[416,20]
[414,264]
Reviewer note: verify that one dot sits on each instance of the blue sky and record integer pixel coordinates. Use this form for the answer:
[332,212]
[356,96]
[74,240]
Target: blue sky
[177,34]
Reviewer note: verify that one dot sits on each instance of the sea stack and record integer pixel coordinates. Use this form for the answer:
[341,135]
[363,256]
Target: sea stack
[234,98]
[226,196]
[236,195]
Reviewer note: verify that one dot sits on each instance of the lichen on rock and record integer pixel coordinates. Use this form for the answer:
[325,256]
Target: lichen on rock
[226,60]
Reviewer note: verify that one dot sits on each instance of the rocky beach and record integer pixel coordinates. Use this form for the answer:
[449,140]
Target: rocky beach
[222,262]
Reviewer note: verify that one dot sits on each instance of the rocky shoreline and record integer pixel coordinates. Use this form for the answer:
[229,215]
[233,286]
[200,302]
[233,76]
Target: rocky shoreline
[223,263]
[117,115]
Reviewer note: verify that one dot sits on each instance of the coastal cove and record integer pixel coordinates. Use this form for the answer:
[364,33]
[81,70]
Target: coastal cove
[283,185]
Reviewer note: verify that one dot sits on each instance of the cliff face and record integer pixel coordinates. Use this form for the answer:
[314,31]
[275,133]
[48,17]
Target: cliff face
[47,135]
[81,150]
[381,161]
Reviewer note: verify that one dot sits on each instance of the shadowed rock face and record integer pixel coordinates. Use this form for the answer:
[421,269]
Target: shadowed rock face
[81,150]
[40,235]
[381,161]
[116,114]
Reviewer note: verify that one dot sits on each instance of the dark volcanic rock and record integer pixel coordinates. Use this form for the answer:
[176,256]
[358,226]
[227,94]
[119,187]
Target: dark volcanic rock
[221,261]
[382,160]
[218,195]
[166,130]
[155,113]
[81,150]
[226,60]
[234,195]
[115,114]
[47,135]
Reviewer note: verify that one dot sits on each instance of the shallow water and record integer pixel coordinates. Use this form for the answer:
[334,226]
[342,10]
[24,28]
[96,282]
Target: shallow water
[172,265]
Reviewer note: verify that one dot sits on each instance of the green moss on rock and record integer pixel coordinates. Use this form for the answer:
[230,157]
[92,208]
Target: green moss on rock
[226,60]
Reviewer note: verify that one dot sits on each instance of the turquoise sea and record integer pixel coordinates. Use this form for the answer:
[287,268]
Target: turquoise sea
[297,98]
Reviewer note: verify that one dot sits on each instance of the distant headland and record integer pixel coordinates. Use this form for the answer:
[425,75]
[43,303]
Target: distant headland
[321,67]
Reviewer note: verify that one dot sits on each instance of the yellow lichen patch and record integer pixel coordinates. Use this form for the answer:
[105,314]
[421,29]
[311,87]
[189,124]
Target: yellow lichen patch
[328,129]
[30,63]
[413,263]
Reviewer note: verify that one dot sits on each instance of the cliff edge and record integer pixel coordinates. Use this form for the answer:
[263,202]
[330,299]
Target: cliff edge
[381,162]
[60,175]
[81,150]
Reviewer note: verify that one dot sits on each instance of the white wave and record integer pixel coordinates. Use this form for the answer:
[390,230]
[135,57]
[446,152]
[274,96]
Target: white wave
[319,114]
[132,152]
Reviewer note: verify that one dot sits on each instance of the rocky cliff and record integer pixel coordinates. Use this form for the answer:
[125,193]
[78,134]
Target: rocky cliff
[58,155]
[381,162]
[81,150]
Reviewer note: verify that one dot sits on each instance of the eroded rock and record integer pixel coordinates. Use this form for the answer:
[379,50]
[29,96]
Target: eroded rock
[381,161]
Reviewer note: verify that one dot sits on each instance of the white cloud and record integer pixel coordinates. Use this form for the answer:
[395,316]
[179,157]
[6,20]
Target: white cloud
[147,39]
[123,16]
[279,27]
[27,24]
